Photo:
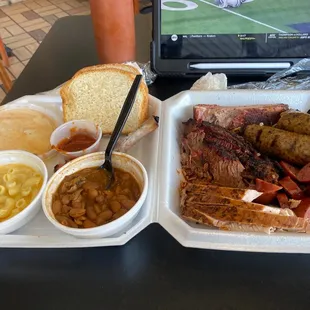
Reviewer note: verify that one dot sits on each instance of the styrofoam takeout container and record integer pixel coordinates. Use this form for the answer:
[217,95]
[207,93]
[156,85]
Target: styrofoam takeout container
[179,109]
[160,155]
[26,215]
[119,160]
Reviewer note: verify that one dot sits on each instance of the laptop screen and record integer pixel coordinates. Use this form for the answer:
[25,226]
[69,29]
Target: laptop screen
[195,29]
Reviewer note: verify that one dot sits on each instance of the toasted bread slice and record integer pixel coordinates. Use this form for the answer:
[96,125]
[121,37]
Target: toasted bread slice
[97,94]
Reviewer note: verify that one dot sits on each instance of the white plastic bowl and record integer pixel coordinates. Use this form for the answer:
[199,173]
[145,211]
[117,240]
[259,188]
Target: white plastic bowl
[33,161]
[119,160]
[47,112]
[65,130]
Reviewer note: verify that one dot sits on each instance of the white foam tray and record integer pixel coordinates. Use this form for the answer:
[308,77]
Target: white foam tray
[160,154]
[41,233]
[179,109]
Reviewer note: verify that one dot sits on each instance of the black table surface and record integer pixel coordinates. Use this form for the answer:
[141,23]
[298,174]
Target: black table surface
[152,271]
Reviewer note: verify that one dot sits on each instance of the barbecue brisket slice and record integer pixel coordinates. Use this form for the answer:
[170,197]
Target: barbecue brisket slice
[193,196]
[212,154]
[227,209]
[239,117]
[234,193]
[228,217]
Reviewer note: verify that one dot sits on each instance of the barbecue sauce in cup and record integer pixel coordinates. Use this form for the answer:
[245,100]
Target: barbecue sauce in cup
[76,138]
[76,142]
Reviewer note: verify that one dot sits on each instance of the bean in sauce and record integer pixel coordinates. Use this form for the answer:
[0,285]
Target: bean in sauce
[81,200]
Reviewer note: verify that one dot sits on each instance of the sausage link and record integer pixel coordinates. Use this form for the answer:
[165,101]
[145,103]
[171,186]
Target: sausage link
[289,146]
[295,122]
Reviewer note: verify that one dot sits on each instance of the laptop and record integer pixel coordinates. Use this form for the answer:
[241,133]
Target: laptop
[237,37]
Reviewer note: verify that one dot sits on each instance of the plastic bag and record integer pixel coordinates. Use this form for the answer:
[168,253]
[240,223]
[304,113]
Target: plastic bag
[211,82]
[286,79]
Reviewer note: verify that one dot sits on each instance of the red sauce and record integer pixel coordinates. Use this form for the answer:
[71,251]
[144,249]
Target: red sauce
[77,142]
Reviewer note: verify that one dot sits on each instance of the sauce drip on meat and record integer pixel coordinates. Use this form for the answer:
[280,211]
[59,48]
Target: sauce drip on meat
[81,201]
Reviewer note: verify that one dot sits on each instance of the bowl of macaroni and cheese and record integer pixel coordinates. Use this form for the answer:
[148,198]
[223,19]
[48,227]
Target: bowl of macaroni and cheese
[23,177]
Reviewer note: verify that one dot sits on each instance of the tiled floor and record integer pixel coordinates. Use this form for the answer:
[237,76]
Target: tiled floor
[24,25]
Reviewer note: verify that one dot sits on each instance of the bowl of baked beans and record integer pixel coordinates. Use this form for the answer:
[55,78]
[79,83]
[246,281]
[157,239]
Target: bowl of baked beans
[76,199]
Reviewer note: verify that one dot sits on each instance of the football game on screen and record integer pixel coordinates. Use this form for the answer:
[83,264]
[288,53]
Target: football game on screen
[235,16]
[235,29]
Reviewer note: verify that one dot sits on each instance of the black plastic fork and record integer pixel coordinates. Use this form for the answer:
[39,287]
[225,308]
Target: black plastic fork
[121,121]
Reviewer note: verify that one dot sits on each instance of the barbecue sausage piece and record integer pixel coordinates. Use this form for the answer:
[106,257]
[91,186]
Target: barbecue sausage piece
[266,187]
[295,122]
[289,170]
[303,209]
[269,191]
[303,175]
[289,146]
[283,200]
[291,188]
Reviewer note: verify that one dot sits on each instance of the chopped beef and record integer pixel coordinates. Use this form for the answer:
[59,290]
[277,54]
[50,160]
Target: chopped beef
[213,154]
[239,117]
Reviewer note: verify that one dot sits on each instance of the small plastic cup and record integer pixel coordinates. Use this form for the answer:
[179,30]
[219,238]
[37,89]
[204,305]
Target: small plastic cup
[79,126]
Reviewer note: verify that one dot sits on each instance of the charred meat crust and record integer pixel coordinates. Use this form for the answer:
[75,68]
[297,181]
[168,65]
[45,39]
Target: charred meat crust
[216,155]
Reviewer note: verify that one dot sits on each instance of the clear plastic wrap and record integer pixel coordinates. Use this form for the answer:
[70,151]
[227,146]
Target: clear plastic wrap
[146,71]
[295,78]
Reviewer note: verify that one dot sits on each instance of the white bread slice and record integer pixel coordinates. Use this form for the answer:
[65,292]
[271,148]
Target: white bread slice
[124,67]
[97,94]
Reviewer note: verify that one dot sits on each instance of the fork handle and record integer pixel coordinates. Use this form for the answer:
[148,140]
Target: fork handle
[121,121]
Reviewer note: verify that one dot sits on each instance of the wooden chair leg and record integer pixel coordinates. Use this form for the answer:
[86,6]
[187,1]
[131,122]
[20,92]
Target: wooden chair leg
[4,54]
[4,77]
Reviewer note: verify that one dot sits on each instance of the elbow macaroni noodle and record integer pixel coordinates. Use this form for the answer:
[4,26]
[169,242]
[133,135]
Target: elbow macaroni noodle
[19,185]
